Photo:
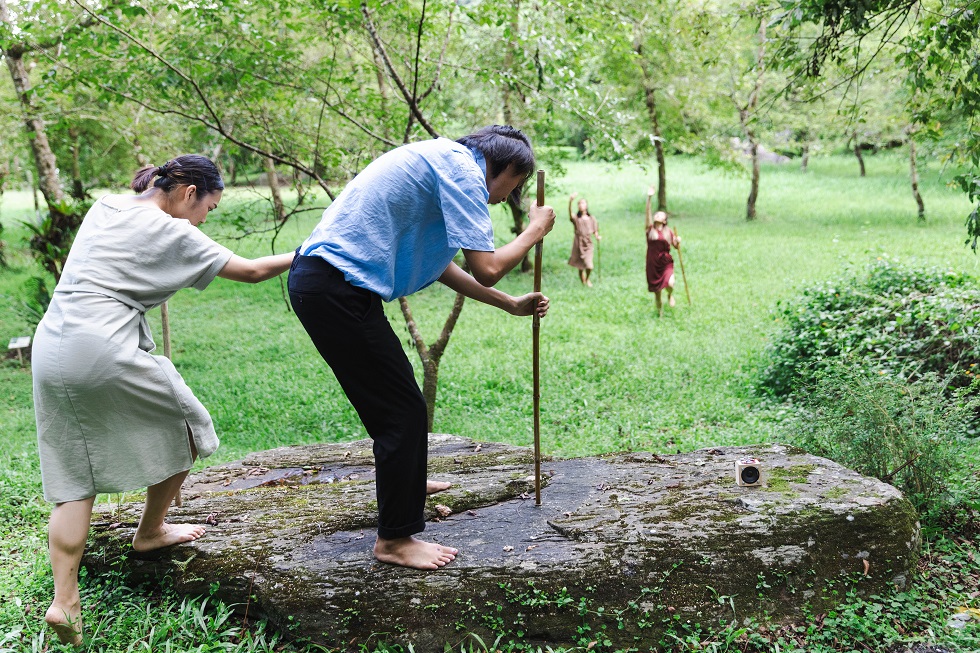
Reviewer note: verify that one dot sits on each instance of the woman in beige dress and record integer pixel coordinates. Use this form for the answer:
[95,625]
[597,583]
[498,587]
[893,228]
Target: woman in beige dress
[110,416]
[585,226]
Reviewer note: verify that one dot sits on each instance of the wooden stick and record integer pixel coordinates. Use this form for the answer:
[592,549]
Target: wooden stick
[598,258]
[165,323]
[536,354]
[165,327]
[680,258]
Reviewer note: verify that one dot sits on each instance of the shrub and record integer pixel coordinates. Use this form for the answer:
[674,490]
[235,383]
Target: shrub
[900,321]
[907,434]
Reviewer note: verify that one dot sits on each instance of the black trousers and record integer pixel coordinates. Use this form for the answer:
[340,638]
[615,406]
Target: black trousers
[352,334]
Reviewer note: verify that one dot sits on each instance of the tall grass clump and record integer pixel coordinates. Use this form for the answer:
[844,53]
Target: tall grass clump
[896,320]
[908,434]
[880,368]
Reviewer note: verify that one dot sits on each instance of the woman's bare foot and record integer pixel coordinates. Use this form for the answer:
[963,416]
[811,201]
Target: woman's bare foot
[670,300]
[66,622]
[167,535]
[431,487]
[410,552]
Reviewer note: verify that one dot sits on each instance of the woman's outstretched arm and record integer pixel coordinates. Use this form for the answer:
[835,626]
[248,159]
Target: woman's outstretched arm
[256,269]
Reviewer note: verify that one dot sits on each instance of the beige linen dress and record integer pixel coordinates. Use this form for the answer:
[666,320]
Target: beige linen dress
[582,246]
[111,417]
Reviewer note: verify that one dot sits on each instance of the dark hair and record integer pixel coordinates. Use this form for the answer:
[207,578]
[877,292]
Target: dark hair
[503,147]
[184,170]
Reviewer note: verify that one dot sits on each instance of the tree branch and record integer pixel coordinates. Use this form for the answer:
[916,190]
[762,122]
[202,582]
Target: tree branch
[442,58]
[439,346]
[409,98]
[187,78]
[413,329]
[216,127]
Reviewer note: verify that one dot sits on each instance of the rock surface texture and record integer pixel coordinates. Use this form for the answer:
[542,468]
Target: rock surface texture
[624,548]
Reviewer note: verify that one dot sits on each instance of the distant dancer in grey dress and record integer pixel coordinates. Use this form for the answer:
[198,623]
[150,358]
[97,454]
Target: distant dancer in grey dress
[110,416]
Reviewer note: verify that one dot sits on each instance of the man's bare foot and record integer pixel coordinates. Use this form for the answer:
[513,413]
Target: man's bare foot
[167,535]
[410,552]
[431,487]
[66,622]
[671,301]
[588,283]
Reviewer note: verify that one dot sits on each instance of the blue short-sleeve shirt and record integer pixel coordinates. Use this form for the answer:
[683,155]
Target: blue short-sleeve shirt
[398,224]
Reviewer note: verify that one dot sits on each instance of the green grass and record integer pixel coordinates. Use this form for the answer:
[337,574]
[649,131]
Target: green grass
[614,376]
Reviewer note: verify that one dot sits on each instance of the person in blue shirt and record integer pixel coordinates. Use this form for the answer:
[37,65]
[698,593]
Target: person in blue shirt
[394,230]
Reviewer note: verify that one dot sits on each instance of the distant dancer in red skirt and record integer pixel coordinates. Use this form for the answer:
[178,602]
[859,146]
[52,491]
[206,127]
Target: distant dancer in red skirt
[582,247]
[660,264]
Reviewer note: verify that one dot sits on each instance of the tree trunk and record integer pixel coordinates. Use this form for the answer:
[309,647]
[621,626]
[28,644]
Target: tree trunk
[517,213]
[77,187]
[658,141]
[508,90]
[141,159]
[746,117]
[857,153]
[216,154]
[44,159]
[29,176]
[273,178]
[650,98]
[50,245]
[754,190]
[805,161]
[430,387]
[914,177]
[431,355]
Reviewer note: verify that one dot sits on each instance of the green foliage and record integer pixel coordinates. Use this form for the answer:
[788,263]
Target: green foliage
[894,320]
[36,300]
[52,239]
[906,434]
[936,50]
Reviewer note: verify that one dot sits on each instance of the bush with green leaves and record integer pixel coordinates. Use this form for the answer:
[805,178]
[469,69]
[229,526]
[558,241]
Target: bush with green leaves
[907,434]
[894,319]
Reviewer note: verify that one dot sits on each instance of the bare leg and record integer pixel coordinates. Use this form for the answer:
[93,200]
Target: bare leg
[670,291]
[587,282]
[431,487]
[153,532]
[410,552]
[581,276]
[660,304]
[67,532]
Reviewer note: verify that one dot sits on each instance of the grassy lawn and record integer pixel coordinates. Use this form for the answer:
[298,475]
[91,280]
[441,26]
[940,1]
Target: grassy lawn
[614,376]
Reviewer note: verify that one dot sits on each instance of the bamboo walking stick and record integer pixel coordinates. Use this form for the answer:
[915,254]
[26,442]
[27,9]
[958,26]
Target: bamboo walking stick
[598,258]
[680,259]
[536,354]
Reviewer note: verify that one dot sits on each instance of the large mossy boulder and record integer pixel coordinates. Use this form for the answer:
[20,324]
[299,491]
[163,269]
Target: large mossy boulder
[623,547]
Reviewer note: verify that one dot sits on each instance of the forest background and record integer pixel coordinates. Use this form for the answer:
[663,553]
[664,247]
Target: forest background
[870,106]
